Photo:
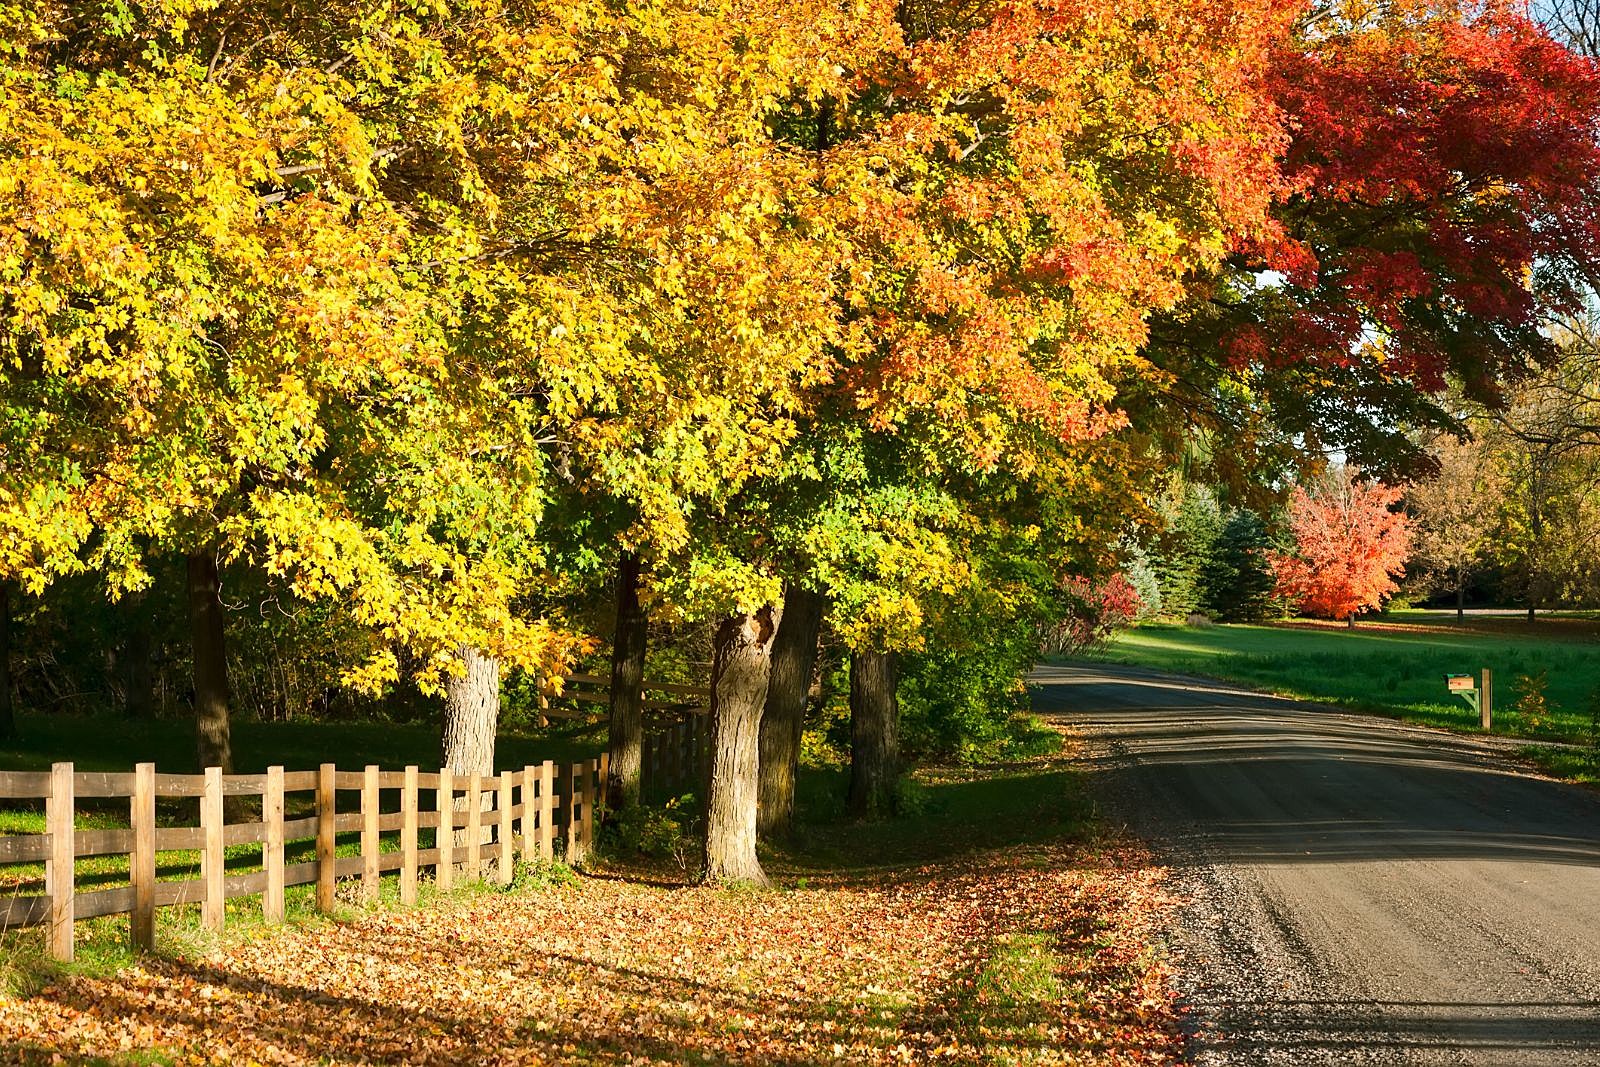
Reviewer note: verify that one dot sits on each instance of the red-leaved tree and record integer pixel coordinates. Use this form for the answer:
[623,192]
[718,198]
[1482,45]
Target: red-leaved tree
[1350,545]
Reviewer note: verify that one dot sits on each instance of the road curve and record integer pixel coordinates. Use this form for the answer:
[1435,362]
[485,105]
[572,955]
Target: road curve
[1361,892]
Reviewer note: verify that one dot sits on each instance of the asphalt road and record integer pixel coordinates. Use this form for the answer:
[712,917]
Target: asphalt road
[1360,891]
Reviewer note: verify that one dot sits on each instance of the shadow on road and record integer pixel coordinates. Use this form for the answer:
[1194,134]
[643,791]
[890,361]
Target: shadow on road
[1276,781]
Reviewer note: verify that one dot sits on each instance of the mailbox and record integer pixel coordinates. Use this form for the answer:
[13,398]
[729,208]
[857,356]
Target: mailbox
[1460,683]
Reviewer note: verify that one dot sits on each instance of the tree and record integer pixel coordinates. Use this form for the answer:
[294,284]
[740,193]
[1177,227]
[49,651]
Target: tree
[794,657]
[1191,523]
[625,729]
[1011,190]
[1546,447]
[1237,576]
[740,671]
[1457,511]
[1434,210]
[1350,543]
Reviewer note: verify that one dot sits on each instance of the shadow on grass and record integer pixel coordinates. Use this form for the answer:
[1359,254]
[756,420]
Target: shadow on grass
[947,814]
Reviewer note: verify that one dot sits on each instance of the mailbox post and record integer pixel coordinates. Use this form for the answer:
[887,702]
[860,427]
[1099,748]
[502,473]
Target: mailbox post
[1479,700]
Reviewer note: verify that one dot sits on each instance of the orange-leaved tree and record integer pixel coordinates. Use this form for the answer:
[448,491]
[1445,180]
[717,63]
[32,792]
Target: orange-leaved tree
[1351,543]
[1014,189]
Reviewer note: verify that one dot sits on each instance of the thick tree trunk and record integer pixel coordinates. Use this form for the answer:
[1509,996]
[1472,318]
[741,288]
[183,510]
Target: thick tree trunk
[627,680]
[138,679]
[741,666]
[8,718]
[471,714]
[874,734]
[794,658]
[1350,622]
[213,739]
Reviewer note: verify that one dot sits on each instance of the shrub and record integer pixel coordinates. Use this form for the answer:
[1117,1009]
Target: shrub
[1532,705]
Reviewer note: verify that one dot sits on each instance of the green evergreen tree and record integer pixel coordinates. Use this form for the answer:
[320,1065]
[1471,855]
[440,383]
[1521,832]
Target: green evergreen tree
[1235,579]
[1193,524]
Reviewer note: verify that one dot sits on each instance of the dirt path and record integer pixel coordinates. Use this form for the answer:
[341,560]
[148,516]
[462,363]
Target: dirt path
[1363,891]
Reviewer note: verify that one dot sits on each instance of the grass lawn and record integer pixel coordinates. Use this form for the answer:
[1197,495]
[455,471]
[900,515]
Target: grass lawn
[1396,666]
[113,743]
[989,924]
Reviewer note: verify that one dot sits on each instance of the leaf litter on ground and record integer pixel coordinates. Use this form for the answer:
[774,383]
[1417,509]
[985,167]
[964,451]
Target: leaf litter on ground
[1039,951]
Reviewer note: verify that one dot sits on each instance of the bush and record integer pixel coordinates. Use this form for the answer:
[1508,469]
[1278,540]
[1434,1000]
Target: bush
[1532,705]
[1094,611]
[659,832]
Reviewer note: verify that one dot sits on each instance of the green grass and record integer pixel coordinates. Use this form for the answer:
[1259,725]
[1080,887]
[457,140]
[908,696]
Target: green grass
[945,812]
[112,743]
[1394,670]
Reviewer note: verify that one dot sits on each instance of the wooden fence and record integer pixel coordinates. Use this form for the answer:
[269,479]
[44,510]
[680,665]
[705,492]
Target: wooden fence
[532,809]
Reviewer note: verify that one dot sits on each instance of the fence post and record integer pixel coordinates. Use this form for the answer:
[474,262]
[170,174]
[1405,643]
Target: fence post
[327,865]
[212,912]
[650,763]
[58,874]
[503,875]
[673,739]
[444,838]
[475,828]
[408,838]
[547,810]
[597,791]
[574,812]
[1486,701]
[272,854]
[369,834]
[530,818]
[142,861]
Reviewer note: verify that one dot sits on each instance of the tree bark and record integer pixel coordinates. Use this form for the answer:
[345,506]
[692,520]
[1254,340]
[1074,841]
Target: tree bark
[1461,597]
[626,729]
[8,718]
[213,738]
[138,679]
[471,714]
[874,734]
[794,658]
[1350,622]
[741,667]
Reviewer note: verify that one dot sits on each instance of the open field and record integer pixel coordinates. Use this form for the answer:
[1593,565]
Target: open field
[1397,667]
[988,925]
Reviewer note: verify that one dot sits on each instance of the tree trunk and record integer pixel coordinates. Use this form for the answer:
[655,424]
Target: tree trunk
[874,734]
[1350,623]
[8,718]
[741,666]
[794,658]
[1530,613]
[471,713]
[1461,596]
[138,680]
[213,739]
[627,699]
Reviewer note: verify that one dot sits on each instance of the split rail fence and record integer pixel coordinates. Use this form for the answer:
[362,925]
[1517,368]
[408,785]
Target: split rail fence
[531,810]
